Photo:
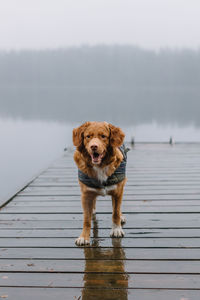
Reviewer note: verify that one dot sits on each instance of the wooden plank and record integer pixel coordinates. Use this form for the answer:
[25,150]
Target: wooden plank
[32,222]
[160,252]
[98,294]
[131,183]
[132,217]
[126,197]
[100,280]
[73,233]
[133,187]
[126,209]
[66,167]
[103,242]
[101,266]
[100,203]
[101,253]
[151,170]
[130,192]
[130,174]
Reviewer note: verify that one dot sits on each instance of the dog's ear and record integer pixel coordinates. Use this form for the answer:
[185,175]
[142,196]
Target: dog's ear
[78,134]
[116,136]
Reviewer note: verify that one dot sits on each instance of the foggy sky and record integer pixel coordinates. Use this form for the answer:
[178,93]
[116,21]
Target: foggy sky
[51,24]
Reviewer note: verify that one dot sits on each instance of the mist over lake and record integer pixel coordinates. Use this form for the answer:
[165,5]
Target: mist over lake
[44,94]
[121,84]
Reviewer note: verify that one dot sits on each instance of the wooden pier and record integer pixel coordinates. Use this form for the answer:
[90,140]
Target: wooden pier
[158,259]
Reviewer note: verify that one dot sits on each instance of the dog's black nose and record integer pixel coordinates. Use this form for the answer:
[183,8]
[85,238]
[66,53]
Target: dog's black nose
[94,147]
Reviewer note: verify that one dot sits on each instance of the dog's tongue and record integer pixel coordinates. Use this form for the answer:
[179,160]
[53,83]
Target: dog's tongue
[96,158]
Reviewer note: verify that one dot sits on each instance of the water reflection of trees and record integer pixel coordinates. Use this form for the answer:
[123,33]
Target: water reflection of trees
[125,106]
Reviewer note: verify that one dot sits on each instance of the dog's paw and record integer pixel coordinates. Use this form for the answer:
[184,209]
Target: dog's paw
[123,219]
[116,231]
[81,241]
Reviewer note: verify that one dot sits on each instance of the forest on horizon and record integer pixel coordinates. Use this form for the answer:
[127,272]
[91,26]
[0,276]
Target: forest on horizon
[123,84]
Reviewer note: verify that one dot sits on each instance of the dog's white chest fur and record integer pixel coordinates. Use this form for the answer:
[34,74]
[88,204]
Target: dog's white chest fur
[102,176]
[101,173]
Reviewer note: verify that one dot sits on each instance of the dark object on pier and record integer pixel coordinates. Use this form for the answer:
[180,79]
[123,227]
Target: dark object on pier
[171,141]
[132,141]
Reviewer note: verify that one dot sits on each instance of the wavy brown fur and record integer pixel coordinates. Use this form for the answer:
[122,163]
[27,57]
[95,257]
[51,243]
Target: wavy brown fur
[107,139]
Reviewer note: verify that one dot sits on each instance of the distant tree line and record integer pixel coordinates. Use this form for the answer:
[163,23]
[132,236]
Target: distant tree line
[100,66]
[120,84]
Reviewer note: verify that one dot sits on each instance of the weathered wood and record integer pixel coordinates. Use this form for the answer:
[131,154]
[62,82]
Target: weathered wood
[126,197]
[137,188]
[73,233]
[126,209]
[34,222]
[101,253]
[70,191]
[102,265]
[102,204]
[90,293]
[158,258]
[103,242]
[123,280]
[101,218]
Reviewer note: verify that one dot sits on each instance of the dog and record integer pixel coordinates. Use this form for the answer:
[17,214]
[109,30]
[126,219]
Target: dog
[100,156]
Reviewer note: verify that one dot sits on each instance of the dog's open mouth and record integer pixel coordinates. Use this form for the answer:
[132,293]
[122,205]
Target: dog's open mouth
[96,157]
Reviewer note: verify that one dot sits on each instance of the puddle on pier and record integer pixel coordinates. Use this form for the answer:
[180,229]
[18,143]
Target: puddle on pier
[110,261]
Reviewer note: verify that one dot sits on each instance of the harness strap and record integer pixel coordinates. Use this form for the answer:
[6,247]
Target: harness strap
[115,178]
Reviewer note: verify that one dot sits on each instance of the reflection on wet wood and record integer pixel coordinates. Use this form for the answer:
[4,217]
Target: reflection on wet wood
[106,262]
[91,294]
[159,257]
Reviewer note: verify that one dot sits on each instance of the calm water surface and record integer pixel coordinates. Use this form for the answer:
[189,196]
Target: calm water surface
[26,148]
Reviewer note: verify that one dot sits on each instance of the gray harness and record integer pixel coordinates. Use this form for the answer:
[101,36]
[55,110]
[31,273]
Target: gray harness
[116,177]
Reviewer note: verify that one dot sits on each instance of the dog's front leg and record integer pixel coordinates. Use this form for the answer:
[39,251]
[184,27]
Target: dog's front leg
[88,199]
[117,217]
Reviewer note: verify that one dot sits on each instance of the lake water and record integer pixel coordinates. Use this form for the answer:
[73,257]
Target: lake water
[27,147]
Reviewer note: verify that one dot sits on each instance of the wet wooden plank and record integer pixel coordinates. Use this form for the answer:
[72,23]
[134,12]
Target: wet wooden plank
[140,181]
[100,266]
[100,280]
[126,197]
[126,209]
[35,222]
[103,242]
[132,174]
[102,217]
[158,258]
[70,191]
[101,253]
[98,294]
[133,188]
[73,233]
[99,204]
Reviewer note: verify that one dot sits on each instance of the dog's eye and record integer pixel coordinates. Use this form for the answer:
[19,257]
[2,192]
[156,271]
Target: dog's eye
[103,136]
[88,136]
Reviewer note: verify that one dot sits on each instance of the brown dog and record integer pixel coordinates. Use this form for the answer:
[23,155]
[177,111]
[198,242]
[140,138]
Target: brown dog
[101,165]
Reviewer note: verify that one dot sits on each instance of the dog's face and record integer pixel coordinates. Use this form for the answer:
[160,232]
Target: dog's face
[96,138]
